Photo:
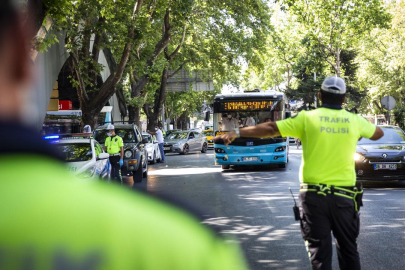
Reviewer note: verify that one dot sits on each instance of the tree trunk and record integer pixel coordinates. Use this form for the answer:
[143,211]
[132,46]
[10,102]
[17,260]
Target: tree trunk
[153,121]
[134,115]
[89,117]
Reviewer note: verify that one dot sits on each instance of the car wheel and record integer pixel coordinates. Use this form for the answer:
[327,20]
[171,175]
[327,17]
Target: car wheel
[138,174]
[282,166]
[154,158]
[185,150]
[225,167]
[204,148]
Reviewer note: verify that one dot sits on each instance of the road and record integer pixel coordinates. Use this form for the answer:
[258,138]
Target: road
[255,206]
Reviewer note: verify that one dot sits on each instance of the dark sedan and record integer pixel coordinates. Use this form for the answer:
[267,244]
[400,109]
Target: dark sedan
[383,159]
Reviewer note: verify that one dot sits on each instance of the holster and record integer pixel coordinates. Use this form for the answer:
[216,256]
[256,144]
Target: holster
[359,195]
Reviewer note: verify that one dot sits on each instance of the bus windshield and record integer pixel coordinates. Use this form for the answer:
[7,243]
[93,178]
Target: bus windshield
[231,115]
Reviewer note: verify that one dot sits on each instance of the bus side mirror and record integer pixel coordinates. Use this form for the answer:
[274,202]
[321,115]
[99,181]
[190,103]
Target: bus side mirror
[287,115]
[207,116]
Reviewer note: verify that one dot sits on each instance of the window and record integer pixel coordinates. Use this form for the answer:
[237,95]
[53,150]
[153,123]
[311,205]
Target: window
[138,134]
[75,152]
[97,148]
[148,137]
[127,135]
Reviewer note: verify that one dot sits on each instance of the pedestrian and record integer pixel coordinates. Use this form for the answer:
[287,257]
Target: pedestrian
[229,123]
[50,220]
[250,122]
[161,142]
[298,142]
[329,198]
[114,146]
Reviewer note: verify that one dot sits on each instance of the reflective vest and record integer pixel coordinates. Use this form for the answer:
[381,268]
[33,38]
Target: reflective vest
[114,144]
[329,139]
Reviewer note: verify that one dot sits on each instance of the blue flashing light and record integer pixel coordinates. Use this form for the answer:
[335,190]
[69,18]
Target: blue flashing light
[51,137]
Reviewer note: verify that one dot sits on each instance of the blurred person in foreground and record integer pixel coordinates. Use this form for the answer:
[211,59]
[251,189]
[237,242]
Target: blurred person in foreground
[48,220]
[329,197]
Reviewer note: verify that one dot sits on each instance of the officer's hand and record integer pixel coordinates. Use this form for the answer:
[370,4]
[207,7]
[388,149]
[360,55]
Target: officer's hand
[121,162]
[227,137]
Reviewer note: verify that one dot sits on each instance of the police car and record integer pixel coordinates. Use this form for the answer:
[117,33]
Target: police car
[84,156]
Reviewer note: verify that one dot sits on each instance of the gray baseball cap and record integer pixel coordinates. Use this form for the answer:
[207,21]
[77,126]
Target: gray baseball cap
[334,85]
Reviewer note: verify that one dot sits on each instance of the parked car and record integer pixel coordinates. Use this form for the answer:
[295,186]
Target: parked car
[83,155]
[383,159]
[135,155]
[209,134]
[183,142]
[152,148]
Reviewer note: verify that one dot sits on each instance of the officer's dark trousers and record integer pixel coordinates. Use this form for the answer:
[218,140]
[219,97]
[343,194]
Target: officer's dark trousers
[321,215]
[115,169]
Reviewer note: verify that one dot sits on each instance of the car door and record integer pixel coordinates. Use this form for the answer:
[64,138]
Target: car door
[198,140]
[102,168]
[192,141]
[156,147]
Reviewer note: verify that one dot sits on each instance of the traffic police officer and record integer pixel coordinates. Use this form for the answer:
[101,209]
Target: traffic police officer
[84,225]
[329,198]
[115,147]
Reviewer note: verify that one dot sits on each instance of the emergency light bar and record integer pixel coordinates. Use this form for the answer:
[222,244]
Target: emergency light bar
[51,137]
[69,136]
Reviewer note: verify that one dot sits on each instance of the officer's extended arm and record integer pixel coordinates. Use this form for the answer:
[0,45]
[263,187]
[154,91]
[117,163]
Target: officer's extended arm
[378,133]
[122,152]
[268,129]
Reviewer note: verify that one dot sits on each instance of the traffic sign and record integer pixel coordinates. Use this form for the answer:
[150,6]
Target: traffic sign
[388,103]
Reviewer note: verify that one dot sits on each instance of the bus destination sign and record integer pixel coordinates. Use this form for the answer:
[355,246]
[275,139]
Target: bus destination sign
[246,105]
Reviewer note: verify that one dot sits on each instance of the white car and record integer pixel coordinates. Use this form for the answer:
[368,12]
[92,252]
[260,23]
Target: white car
[85,157]
[152,148]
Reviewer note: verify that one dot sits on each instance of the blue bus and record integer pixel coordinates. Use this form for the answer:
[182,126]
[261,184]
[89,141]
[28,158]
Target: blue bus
[247,109]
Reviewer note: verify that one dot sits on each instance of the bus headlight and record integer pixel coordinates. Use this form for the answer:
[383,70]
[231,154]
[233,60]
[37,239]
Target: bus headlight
[280,149]
[219,150]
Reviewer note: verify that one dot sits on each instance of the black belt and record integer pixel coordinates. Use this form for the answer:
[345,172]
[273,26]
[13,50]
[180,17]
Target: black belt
[354,193]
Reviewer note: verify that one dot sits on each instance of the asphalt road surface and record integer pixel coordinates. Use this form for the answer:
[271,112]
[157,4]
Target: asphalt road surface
[255,206]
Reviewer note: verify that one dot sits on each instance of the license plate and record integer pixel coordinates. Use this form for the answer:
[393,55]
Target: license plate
[385,166]
[249,158]
[166,148]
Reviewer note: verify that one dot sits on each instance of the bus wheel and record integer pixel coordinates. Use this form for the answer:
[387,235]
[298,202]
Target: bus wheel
[225,167]
[282,166]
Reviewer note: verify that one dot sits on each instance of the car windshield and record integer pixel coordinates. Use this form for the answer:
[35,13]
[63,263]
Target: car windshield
[391,136]
[75,152]
[127,135]
[208,133]
[177,136]
[147,137]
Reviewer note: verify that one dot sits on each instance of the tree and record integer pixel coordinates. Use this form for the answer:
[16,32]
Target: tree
[211,37]
[334,26]
[91,26]
[382,63]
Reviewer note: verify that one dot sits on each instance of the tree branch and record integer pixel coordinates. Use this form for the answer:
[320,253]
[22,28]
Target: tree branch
[177,70]
[180,45]
[105,91]
[82,88]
